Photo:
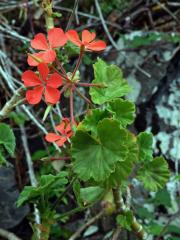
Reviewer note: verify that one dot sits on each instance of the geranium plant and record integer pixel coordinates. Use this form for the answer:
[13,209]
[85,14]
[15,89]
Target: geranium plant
[102,156]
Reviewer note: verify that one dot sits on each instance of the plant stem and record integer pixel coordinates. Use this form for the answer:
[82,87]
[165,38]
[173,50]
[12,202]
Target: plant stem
[60,158]
[83,97]
[86,225]
[137,228]
[99,85]
[47,6]
[61,67]
[71,107]
[8,235]
[72,14]
[78,62]
[71,212]
[64,193]
[13,102]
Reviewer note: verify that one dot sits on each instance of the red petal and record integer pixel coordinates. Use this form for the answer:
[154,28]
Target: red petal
[48,56]
[52,137]
[87,36]
[56,37]
[34,96]
[69,134]
[72,36]
[30,79]
[68,128]
[39,42]
[96,46]
[54,81]
[43,70]
[52,95]
[61,141]
[60,128]
[32,62]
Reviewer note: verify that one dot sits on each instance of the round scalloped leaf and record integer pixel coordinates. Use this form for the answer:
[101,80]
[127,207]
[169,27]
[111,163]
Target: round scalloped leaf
[154,174]
[145,141]
[7,138]
[124,169]
[92,119]
[123,111]
[96,157]
[111,76]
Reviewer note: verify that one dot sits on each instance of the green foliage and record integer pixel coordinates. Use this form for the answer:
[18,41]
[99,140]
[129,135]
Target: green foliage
[111,76]
[122,110]
[145,141]
[108,6]
[91,194]
[149,38]
[96,157]
[92,119]
[125,220]
[154,174]
[120,174]
[7,141]
[18,117]
[48,186]
[162,197]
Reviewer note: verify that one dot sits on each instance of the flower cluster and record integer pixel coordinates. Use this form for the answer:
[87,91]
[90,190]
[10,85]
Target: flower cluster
[45,83]
[64,128]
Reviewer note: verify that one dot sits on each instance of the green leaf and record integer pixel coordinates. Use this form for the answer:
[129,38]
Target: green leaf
[47,187]
[111,76]
[143,213]
[122,110]
[7,138]
[2,158]
[96,157]
[91,194]
[162,197]
[121,173]
[18,117]
[154,174]
[145,141]
[92,119]
[125,220]
[155,228]
[76,190]
[124,169]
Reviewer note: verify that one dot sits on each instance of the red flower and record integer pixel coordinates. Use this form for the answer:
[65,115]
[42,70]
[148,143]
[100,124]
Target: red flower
[64,128]
[87,40]
[43,84]
[56,38]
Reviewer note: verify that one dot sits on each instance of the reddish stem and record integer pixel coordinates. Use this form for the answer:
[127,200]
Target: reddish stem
[83,97]
[71,107]
[78,61]
[61,74]
[61,67]
[99,85]
[60,158]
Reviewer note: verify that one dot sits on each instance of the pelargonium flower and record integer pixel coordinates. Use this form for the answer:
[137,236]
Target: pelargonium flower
[56,38]
[87,40]
[64,128]
[42,85]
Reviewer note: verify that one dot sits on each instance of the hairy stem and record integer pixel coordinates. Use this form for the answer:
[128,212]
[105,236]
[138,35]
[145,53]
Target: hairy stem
[78,61]
[47,6]
[121,207]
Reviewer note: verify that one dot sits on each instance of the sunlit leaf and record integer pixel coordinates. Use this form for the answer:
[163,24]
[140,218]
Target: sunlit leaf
[111,76]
